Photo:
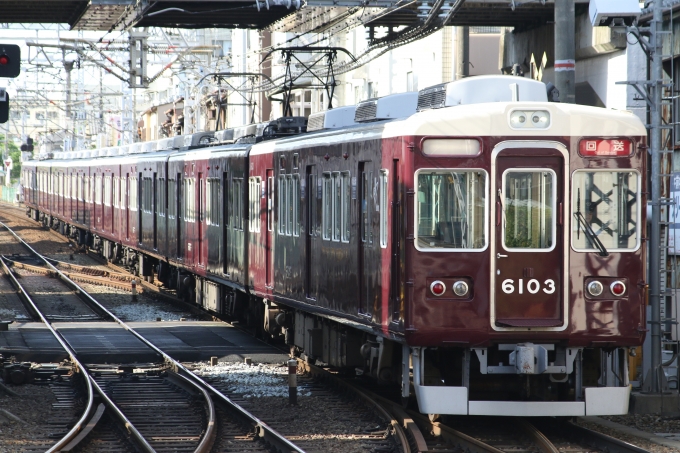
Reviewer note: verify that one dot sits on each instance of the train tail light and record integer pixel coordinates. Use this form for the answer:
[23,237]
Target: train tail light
[595,288]
[618,288]
[438,288]
[609,147]
[460,288]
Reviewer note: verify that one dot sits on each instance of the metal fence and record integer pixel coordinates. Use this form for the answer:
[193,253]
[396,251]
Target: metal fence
[8,194]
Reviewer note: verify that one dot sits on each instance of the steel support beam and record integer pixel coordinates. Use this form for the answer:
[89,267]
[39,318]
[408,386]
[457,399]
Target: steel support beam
[565,50]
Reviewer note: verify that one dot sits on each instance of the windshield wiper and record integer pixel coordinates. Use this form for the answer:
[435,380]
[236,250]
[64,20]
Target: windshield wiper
[590,234]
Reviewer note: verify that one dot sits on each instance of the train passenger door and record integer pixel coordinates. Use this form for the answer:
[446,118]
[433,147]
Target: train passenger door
[368,266]
[154,210]
[269,246]
[528,243]
[126,206]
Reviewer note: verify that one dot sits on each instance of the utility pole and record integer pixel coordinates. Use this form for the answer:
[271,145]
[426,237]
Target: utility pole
[565,50]
[68,65]
[656,378]
[462,52]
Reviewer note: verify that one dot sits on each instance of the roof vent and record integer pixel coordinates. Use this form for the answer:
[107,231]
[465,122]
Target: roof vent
[482,89]
[398,105]
[332,119]
[198,139]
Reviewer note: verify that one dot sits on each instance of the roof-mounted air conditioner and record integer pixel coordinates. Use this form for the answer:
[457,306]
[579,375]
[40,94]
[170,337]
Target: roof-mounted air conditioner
[482,89]
[388,107]
[332,119]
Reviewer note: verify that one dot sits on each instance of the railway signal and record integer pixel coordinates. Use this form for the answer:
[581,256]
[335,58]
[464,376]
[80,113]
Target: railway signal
[10,67]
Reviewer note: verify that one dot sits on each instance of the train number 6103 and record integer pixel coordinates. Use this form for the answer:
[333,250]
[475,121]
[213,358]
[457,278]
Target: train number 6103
[532,286]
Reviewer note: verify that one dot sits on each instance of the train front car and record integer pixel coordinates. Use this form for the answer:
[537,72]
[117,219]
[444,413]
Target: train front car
[525,261]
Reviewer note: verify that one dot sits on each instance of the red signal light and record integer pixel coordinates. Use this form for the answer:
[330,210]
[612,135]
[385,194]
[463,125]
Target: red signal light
[609,147]
[438,288]
[618,288]
[4,60]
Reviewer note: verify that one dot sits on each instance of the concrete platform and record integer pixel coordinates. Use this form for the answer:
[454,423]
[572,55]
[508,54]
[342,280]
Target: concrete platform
[97,342]
[642,403]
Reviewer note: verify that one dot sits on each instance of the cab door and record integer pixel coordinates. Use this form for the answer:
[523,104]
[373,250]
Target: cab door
[528,237]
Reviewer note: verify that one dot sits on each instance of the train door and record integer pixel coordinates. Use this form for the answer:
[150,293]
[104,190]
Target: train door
[269,246]
[368,265]
[180,216]
[312,237]
[528,238]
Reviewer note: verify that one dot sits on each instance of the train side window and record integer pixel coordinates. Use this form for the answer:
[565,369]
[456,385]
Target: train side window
[383,207]
[295,198]
[161,197]
[74,186]
[172,192]
[281,208]
[311,205]
[98,189]
[289,205]
[237,202]
[80,187]
[345,198]
[254,184]
[107,191]
[327,207]
[451,208]
[132,196]
[208,201]
[116,192]
[337,207]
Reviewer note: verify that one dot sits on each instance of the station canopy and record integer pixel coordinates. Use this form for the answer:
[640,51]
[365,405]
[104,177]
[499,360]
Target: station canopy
[291,15]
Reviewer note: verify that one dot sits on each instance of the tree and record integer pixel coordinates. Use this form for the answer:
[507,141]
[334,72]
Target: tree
[14,154]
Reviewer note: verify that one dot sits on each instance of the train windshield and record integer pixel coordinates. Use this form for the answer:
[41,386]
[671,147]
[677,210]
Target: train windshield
[608,203]
[451,209]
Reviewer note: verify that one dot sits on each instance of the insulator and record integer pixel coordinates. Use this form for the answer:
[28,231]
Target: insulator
[445,9]
[424,9]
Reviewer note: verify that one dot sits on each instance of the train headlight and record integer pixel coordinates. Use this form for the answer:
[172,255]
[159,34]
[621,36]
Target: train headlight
[530,119]
[618,288]
[595,288]
[540,119]
[460,288]
[438,288]
[518,119]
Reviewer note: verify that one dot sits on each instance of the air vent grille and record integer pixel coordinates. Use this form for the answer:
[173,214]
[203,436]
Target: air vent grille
[432,97]
[316,121]
[366,111]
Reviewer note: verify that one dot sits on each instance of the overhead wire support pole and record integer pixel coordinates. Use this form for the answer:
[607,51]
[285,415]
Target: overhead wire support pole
[656,377]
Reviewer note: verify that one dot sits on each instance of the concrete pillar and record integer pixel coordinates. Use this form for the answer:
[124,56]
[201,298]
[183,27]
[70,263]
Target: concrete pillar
[565,43]
[462,52]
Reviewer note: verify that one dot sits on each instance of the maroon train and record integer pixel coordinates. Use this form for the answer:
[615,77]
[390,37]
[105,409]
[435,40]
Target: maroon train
[484,250]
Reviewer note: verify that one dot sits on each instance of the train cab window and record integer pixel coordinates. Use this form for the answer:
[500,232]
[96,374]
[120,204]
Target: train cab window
[608,204]
[254,184]
[450,210]
[528,209]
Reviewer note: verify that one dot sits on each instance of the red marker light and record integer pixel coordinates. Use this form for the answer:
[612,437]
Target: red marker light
[438,288]
[617,288]
[4,59]
[613,148]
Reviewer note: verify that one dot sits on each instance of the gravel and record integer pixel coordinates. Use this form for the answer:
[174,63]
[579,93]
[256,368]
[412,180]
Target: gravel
[29,407]
[630,420]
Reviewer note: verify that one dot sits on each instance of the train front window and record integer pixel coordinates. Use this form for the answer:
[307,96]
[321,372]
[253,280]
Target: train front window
[608,203]
[450,207]
[528,205]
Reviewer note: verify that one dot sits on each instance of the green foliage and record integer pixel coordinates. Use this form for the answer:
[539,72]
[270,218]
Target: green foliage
[14,154]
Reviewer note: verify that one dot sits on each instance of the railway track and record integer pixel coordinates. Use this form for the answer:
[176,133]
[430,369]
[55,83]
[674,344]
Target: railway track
[163,408]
